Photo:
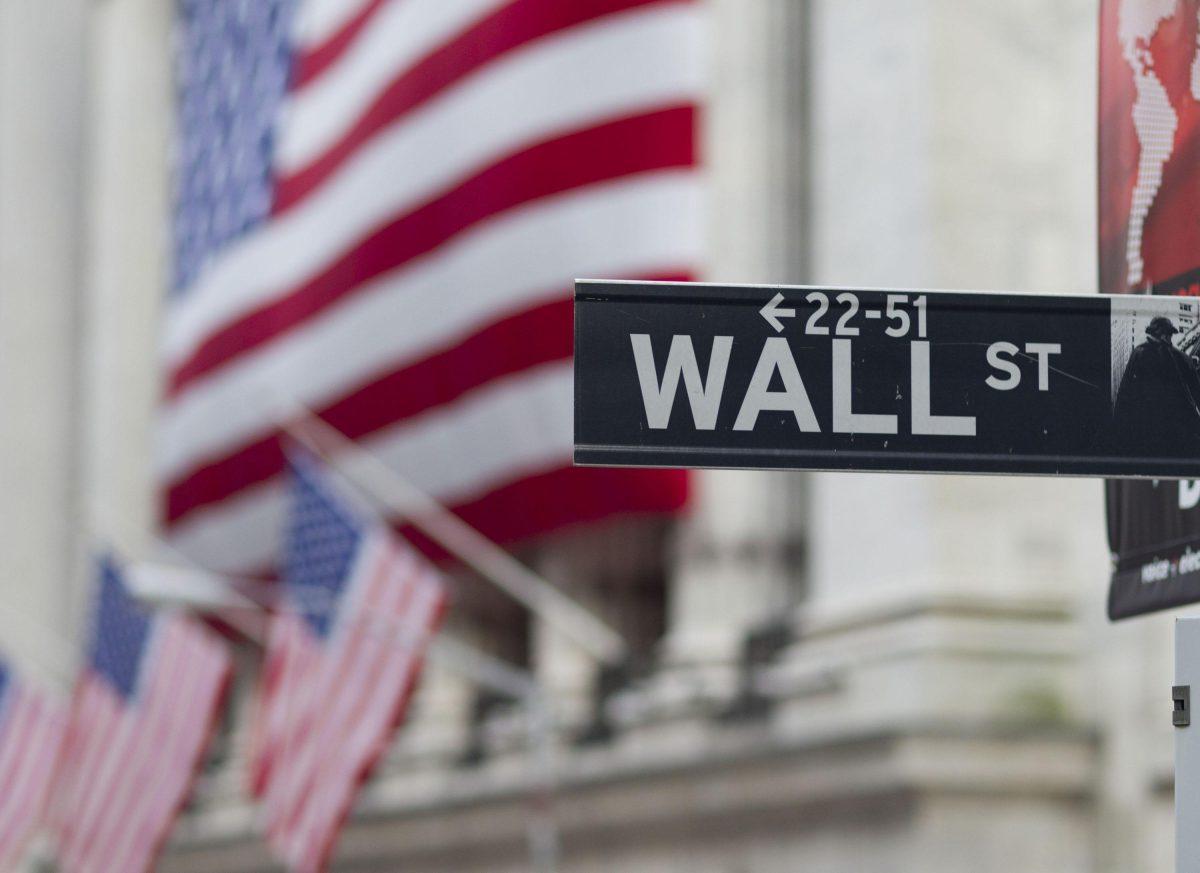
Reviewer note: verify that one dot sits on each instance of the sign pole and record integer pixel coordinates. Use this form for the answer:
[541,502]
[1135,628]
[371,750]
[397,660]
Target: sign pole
[1187,745]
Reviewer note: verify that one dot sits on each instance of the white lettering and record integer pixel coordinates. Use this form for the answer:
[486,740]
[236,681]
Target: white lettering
[1189,493]
[777,355]
[995,350]
[1043,351]
[704,397]
[845,419]
[1156,571]
[923,422]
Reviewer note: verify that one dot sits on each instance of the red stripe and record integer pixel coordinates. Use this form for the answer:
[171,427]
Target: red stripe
[546,503]
[561,499]
[644,143]
[14,734]
[311,63]
[527,339]
[338,788]
[517,23]
[364,656]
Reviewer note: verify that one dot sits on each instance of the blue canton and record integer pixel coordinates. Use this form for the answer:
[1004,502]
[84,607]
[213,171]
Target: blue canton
[120,632]
[233,62]
[321,539]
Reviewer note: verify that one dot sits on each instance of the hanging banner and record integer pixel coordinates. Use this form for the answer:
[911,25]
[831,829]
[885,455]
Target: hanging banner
[685,375]
[1149,227]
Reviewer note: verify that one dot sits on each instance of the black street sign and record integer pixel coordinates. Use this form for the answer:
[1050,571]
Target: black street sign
[685,375]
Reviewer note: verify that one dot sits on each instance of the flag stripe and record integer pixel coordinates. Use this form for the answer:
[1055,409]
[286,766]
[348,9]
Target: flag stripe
[338,715]
[348,675]
[362,338]
[104,735]
[329,681]
[317,113]
[511,512]
[418,203]
[288,648]
[121,774]
[106,812]
[322,21]
[31,734]
[187,732]
[312,61]
[501,349]
[540,171]
[497,351]
[528,416]
[14,725]
[361,732]
[133,748]
[656,69]
[308,156]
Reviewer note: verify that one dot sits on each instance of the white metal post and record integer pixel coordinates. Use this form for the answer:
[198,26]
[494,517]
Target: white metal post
[1187,746]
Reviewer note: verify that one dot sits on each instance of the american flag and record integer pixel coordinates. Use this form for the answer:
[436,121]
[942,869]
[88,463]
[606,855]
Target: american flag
[32,725]
[141,716]
[381,206]
[358,609]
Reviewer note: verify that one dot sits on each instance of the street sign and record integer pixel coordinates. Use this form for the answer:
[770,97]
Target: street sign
[688,375]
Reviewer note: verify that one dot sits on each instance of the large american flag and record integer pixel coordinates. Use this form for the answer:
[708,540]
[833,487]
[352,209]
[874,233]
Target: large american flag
[381,206]
[141,716]
[32,725]
[358,608]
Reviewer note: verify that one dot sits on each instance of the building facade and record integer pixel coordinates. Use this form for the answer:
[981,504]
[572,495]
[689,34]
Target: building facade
[835,672]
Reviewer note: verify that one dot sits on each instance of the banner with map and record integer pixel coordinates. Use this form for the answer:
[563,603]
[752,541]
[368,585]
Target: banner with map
[1149,237]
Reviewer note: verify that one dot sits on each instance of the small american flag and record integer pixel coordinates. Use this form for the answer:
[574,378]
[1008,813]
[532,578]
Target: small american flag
[358,609]
[142,714]
[32,726]
[381,206]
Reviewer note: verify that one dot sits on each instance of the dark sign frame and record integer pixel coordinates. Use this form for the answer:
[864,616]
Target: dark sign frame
[883,380]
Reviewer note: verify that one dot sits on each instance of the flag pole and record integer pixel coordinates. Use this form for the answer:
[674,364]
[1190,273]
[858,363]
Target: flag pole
[449,531]
[164,584]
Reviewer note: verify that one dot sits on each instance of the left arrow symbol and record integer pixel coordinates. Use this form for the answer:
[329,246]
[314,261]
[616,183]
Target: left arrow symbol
[772,313]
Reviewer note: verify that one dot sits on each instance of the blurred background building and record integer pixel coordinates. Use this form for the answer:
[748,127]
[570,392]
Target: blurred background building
[835,672]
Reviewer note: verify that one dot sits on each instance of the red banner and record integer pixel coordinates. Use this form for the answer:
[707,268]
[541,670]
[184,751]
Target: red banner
[1149,236]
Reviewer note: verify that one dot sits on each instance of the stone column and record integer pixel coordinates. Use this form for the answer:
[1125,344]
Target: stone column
[43,72]
[131,105]
[953,147]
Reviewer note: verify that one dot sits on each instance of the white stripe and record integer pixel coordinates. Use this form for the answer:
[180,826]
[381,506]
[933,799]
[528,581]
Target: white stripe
[83,733]
[318,115]
[113,798]
[318,21]
[347,678]
[42,744]
[505,266]
[13,717]
[528,427]
[335,777]
[96,728]
[294,709]
[384,659]
[166,771]
[105,729]
[334,678]
[290,645]
[658,64]
[32,733]
[15,761]
[116,789]
[339,771]
[188,705]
